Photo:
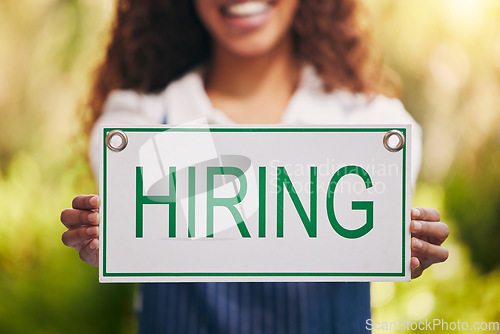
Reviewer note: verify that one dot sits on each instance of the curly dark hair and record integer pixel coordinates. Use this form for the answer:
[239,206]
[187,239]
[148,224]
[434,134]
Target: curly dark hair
[156,41]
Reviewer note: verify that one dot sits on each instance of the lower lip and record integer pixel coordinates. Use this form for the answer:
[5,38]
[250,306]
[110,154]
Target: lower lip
[248,23]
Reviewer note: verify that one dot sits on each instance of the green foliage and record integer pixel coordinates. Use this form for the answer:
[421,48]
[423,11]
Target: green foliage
[473,200]
[450,292]
[448,56]
[47,50]
[43,285]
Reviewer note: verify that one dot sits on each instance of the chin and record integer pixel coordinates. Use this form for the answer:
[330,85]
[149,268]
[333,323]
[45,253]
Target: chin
[250,48]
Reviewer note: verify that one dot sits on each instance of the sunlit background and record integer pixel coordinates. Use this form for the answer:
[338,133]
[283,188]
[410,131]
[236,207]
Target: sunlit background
[447,54]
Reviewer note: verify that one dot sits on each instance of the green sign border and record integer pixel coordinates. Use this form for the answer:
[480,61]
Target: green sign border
[241,274]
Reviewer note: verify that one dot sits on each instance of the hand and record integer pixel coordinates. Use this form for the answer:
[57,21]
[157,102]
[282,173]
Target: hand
[428,233]
[82,222]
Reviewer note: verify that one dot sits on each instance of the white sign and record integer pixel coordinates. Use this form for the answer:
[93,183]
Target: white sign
[255,204]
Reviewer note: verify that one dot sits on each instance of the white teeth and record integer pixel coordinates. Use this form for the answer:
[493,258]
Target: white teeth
[247,8]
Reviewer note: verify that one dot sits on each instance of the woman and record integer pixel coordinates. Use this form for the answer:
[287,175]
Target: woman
[232,61]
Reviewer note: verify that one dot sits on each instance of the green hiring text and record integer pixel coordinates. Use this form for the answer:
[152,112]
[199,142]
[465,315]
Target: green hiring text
[283,182]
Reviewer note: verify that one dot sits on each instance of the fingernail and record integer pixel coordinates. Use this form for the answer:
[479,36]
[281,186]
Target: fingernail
[92,217]
[94,201]
[92,246]
[417,243]
[417,226]
[92,231]
[415,213]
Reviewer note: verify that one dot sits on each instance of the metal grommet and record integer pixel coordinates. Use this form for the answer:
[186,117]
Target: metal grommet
[399,145]
[123,143]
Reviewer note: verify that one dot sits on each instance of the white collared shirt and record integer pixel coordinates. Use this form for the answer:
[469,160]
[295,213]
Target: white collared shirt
[185,100]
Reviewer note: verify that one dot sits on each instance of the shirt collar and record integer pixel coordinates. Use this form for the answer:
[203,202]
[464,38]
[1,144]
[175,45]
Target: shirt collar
[185,100]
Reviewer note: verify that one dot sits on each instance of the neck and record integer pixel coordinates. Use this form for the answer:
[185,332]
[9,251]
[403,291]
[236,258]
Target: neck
[252,89]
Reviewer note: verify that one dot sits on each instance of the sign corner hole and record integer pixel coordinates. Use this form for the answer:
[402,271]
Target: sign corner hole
[116,140]
[394,140]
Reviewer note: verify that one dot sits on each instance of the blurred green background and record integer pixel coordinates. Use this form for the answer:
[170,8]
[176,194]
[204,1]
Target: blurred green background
[447,54]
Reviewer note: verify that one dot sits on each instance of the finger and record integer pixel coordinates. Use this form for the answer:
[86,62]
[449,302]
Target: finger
[416,268]
[427,214]
[436,232]
[414,263]
[74,238]
[86,202]
[90,253]
[423,249]
[73,218]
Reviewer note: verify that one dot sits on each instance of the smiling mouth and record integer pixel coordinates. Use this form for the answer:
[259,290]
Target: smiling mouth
[246,9]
